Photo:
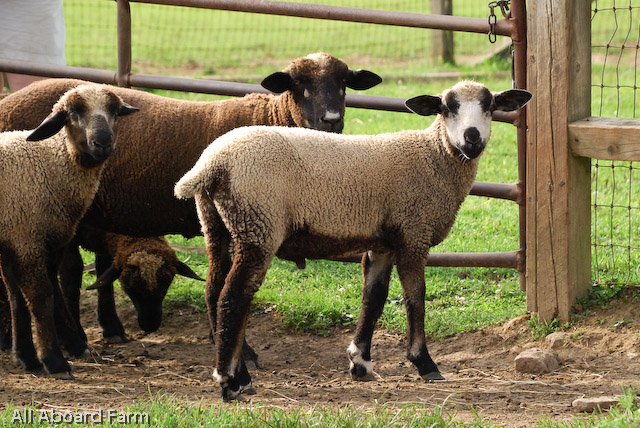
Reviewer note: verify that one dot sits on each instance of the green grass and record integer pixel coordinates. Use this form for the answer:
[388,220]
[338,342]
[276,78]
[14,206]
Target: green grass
[167,411]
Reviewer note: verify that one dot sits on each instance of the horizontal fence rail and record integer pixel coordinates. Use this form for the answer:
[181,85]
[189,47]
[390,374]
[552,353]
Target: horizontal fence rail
[350,14]
[506,259]
[503,27]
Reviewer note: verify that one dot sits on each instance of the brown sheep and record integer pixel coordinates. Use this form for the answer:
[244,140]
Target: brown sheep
[145,268]
[135,196]
[49,177]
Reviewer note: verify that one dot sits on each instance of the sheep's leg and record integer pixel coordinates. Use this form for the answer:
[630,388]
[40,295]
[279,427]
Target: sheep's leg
[247,272]
[112,329]
[22,340]
[219,268]
[5,318]
[71,270]
[411,274]
[72,339]
[376,270]
[38,294]
[219,252]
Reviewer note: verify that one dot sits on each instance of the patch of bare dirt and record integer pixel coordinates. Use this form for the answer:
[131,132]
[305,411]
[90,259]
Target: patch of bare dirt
[301,370]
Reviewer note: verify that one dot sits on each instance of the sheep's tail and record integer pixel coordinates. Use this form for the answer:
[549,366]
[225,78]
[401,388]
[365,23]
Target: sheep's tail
[199,179]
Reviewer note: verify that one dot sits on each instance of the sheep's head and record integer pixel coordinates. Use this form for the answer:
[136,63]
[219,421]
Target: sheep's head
[317,83]
[145,278]
[88,113]
[466,109]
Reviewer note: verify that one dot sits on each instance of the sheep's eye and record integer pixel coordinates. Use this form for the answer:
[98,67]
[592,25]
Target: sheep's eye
[445,111]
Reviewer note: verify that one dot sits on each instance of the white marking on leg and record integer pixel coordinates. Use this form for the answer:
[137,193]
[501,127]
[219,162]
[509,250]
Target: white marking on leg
[218,377]
[355,355]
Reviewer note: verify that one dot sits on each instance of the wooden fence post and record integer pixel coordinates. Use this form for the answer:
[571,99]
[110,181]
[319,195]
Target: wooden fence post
[441,40]
[558,190]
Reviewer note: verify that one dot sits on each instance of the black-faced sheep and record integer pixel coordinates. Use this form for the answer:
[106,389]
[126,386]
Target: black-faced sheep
[297,193]
[50,177]
[166,138]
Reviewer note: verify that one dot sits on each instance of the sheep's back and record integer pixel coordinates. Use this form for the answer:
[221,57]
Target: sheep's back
[333,185]
[154,148]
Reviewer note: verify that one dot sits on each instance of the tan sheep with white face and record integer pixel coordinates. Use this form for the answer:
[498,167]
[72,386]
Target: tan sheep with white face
[49,177]
[300,193]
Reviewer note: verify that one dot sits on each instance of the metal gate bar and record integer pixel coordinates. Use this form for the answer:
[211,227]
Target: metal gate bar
[350,14]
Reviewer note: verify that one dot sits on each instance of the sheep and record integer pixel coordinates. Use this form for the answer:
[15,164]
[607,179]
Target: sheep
[145,268]
[135,196]
[50,176]
[299,193]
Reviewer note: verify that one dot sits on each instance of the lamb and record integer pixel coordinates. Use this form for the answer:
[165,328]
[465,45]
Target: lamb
[50,176]
[145,267]
[295,193]
[135,196]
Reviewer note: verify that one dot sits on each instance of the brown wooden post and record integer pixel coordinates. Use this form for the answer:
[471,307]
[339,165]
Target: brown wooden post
[442,40]
[558,266]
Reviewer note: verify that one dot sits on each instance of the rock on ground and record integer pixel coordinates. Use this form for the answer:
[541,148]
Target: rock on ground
[590,404]
[536,361]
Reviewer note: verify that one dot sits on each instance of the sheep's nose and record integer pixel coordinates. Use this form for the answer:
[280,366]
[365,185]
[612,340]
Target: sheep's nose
[331,117]
[102,138]
[472,135]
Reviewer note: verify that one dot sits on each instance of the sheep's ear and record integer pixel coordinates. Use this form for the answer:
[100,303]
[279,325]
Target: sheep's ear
[126,109]
[49,127]
[278,82]
[511,100]
[362,79]
[106,278]
[186,271]
[424,105]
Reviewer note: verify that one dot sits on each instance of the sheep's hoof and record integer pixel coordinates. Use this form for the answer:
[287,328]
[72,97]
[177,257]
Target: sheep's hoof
[37,370]
[230,392]
[360,373]
[62,376]
[432,376]
[31,365]
[366,378]
[84,353]
[116,339]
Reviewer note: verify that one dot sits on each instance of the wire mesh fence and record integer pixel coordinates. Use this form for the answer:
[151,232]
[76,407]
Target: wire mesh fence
[615,185]
[181,41]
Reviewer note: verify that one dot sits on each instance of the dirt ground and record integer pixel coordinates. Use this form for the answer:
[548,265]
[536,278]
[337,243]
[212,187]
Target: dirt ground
[301,370]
